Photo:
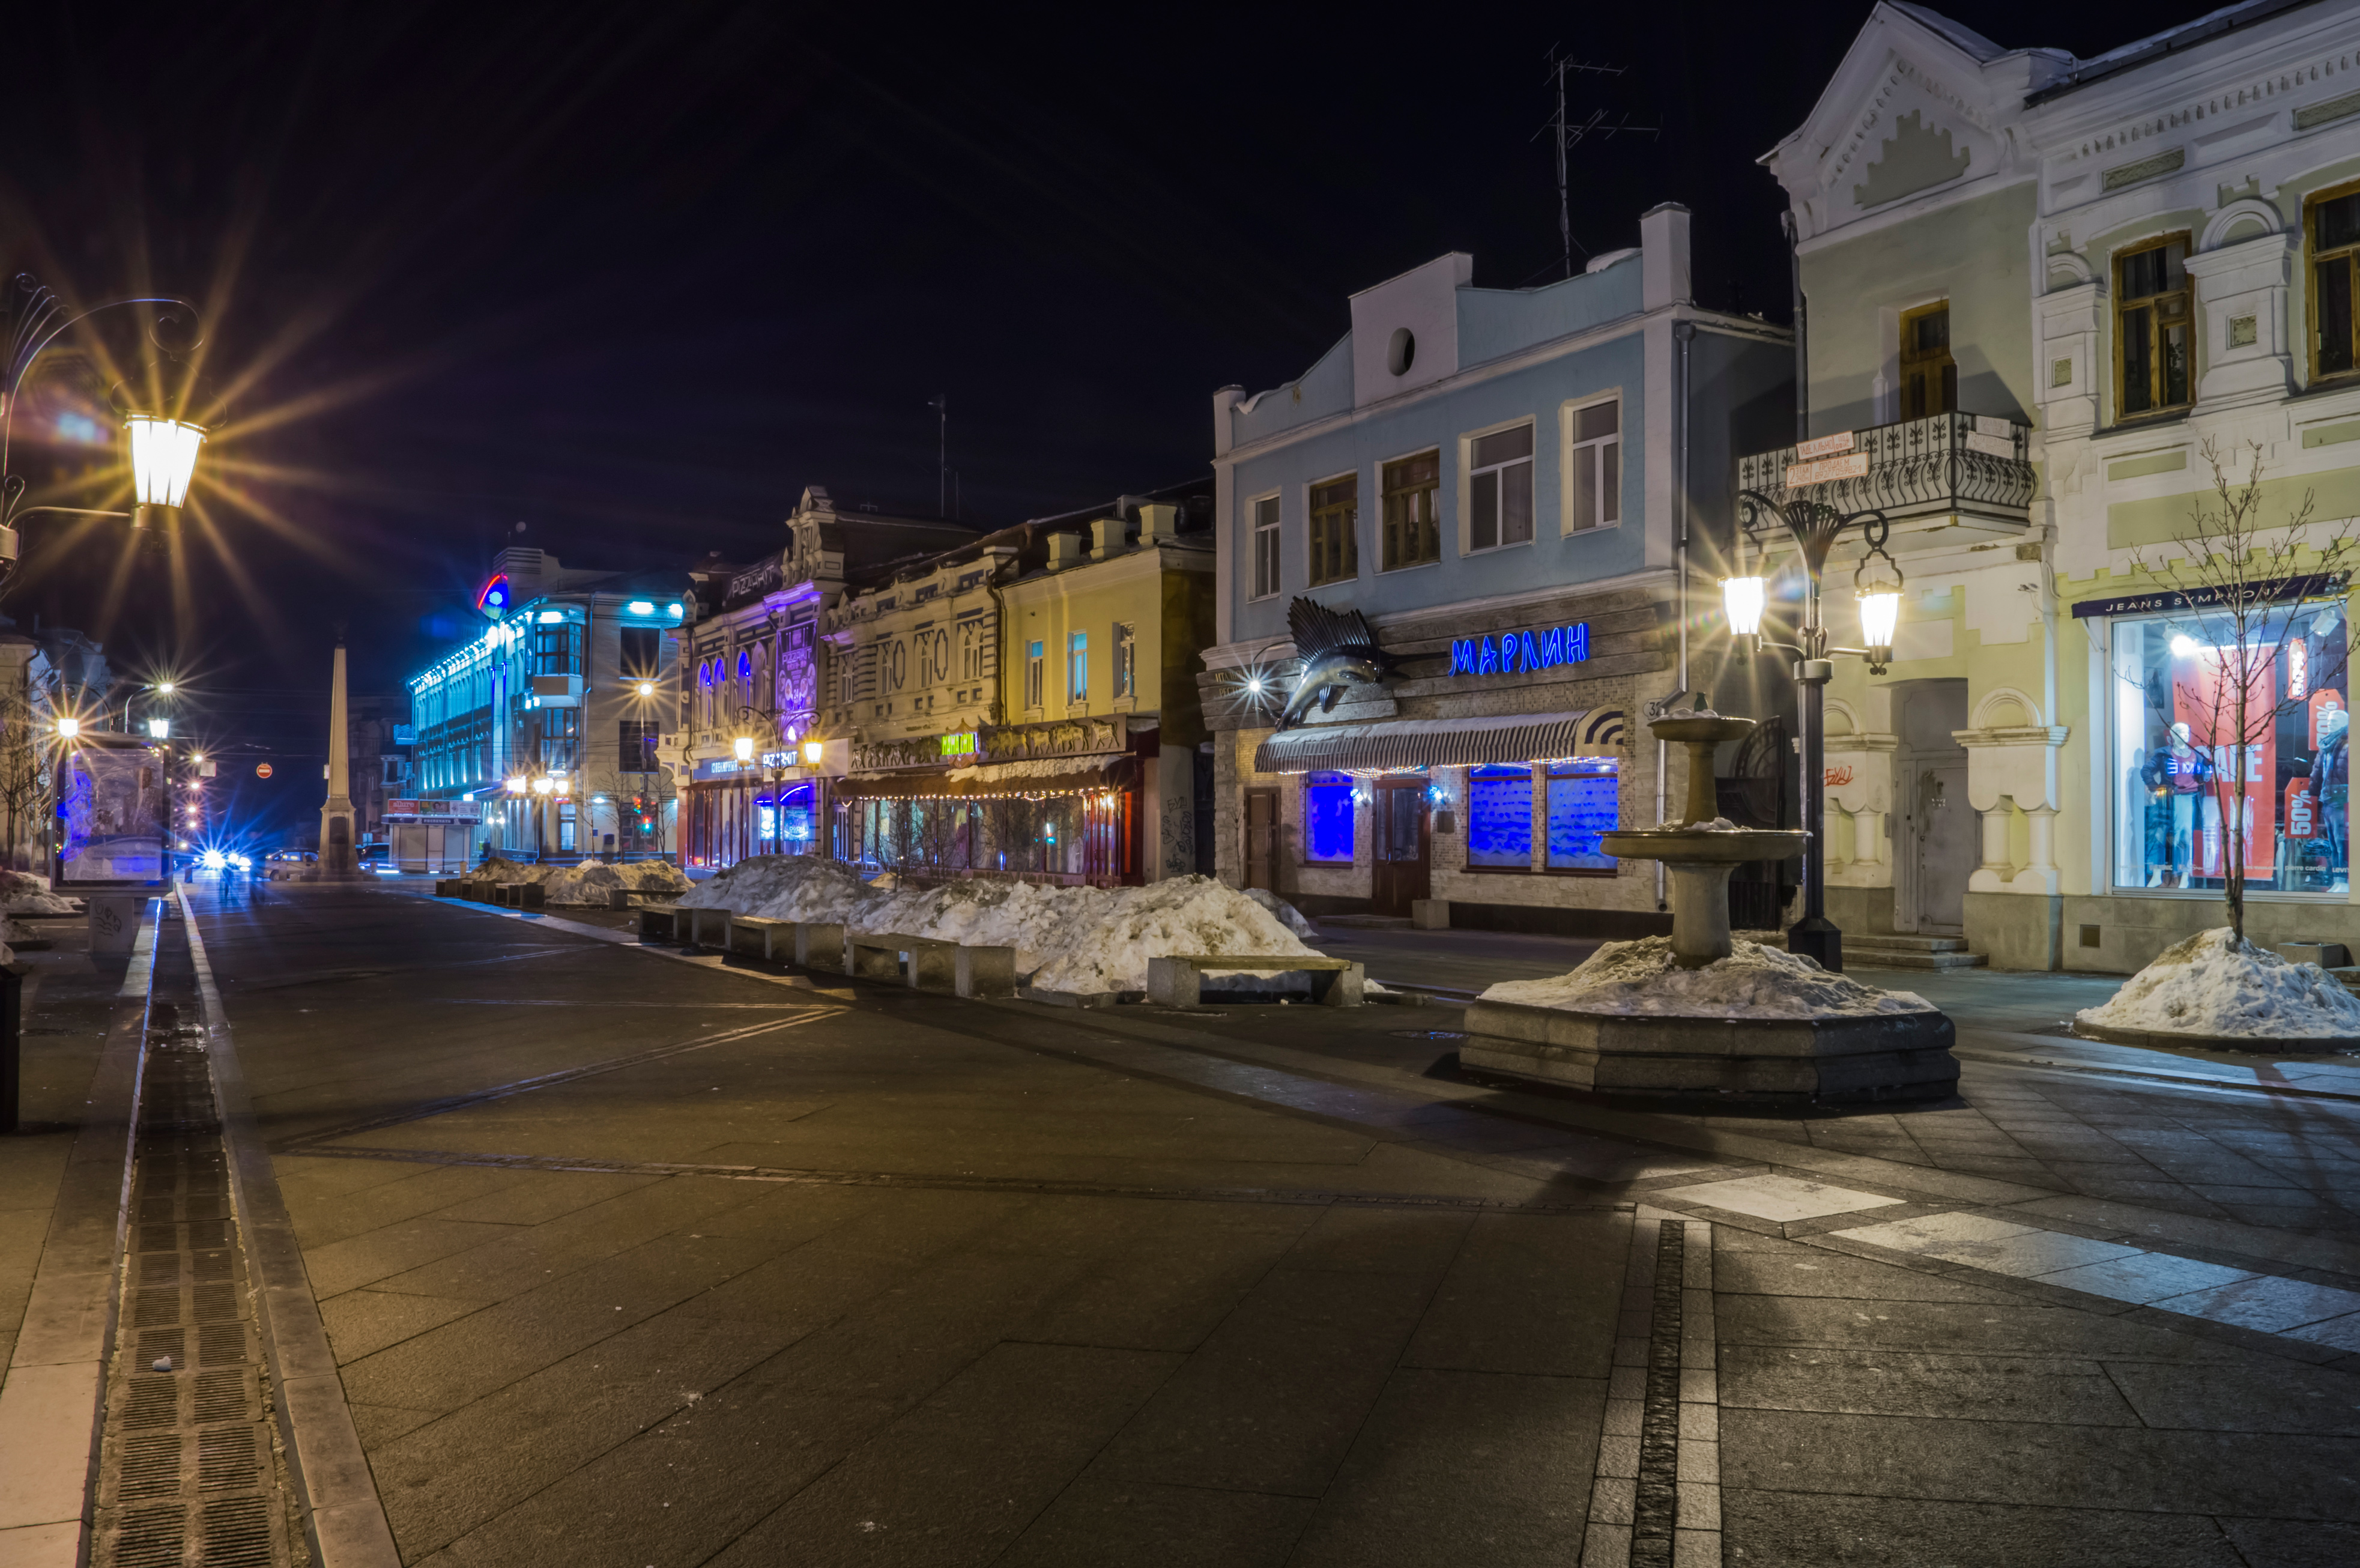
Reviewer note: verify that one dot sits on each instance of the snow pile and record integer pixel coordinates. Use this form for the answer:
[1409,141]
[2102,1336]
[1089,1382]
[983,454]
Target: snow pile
[21,893]
[2214,984]
[1753,981]
[1718,825]
[590,881]
[1287,914]
[1069,938]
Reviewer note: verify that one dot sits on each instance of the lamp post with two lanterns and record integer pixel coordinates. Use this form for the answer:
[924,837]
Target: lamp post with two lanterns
[1876,584]
[537,790]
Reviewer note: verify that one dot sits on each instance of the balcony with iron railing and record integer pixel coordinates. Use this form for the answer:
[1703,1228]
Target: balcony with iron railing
[1946,471]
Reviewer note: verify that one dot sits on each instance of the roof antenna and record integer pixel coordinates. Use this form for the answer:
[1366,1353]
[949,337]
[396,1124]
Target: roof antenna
[941,404]
[1566,135]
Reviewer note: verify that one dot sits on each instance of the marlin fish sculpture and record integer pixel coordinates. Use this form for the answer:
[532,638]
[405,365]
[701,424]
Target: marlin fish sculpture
[1338,650]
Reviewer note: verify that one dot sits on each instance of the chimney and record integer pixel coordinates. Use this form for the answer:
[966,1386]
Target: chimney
[1158,523]
[1664,259]
[1065,549]
[1107,537]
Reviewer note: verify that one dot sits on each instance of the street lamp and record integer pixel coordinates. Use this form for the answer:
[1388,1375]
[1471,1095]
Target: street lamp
[69,728]
[1816,527]
[159,729]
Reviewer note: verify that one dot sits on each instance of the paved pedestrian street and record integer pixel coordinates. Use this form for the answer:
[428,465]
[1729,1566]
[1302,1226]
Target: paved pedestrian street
[612,1256]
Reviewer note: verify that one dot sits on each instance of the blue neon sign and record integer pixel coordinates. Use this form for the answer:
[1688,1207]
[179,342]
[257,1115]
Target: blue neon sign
[1515,651]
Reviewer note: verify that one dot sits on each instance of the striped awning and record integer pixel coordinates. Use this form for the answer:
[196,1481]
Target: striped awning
[1442,742]
[1086,777]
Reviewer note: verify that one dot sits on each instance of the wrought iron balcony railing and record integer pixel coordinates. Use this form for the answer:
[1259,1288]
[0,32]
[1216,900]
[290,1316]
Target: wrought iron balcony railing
[1974,468]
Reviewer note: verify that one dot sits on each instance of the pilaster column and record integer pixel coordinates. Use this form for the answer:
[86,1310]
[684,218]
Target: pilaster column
[1996,822]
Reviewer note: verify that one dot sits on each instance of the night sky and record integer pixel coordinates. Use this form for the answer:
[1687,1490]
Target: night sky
[632,277]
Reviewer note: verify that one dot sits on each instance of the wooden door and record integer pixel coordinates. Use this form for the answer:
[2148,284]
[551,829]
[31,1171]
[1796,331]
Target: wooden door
[1401,833]
[1261,840]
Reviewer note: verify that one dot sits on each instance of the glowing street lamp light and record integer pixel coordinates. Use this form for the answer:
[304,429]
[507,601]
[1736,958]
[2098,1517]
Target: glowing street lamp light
[743,746]
[69,728]
[543,785]
[1742,599]
[647,688]
[519,786]
[159,729]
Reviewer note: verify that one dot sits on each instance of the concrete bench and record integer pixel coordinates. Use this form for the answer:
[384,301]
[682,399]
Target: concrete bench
[522,894]
[630,897]
[660,925]
[703,928]
[819,944]
[984,971]
[1177,981]
[773,941]
[878,955]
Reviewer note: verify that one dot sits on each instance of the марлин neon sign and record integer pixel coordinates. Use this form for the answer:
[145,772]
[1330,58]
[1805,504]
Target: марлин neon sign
[1520,652]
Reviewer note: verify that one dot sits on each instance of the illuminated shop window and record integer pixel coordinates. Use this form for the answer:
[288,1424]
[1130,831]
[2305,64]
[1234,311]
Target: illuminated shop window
[1500,816]
[1584,802]
[1328,818]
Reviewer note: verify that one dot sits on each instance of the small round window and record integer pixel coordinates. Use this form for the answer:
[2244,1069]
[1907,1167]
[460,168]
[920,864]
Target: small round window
[1402,352]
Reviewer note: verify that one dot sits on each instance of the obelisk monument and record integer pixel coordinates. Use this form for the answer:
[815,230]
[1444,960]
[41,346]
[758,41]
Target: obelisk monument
[338,855]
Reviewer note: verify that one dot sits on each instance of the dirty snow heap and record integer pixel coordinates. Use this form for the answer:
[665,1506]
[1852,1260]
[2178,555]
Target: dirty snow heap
[22,892]
[1069,938]
[590,881]
[1753,981]
[2214,984]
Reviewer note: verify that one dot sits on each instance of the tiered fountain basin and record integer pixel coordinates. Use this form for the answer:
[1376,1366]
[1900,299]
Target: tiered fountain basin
[1698,1019]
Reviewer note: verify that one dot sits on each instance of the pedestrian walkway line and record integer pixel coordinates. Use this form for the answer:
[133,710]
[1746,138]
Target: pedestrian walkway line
[344,1521]
[1655,1500]
[52,1401]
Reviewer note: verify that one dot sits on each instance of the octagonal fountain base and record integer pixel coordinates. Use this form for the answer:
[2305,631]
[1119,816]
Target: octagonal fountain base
[1886,1057]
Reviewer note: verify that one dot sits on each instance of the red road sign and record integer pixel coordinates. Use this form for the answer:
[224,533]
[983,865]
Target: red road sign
[262,770]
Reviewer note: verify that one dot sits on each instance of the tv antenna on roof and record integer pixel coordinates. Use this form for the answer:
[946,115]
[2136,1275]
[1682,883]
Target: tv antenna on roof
[1566,133]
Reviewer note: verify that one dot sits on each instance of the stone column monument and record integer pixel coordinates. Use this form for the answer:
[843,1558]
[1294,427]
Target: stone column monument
[339,853]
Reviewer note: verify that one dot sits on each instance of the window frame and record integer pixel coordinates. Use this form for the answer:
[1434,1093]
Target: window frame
[1036,651]
[2119,306]
[1077,668]
[1471,474]
[1545,775]
[1263,541]
[1124,645]
[2311,262]
[1329,780]
[1570,447]
[1387,492]
[1467,781]
[1317,519]
[1906,361]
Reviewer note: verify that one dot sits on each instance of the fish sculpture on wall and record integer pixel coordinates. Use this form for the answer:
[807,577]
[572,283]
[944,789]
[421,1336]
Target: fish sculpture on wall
[1337,649]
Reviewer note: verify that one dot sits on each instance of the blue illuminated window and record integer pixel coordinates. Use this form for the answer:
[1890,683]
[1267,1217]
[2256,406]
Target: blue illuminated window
[1584,801]
[1328,818]
[745,665]
[1500,816]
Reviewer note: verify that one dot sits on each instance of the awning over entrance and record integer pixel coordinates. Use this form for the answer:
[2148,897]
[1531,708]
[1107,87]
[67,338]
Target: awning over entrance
[1442,742]
[1076,776]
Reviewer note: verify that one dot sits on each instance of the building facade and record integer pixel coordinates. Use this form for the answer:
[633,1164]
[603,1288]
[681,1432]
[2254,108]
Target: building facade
[1518,490]
[548,722]
[2043,295]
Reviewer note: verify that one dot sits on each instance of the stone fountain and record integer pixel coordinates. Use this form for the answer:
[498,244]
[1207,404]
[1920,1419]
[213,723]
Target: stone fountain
[1702,1056]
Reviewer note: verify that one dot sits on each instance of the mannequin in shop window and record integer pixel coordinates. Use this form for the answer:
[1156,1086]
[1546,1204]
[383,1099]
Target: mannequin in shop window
[2331,778]
[2175,776]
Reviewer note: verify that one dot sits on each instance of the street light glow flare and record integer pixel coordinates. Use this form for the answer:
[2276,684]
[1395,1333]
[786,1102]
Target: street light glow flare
[543,785]
[1880,610]
[517,785]
[68,729]
[1742,598]
[745,748]
[163,457]
[159,729]
[647,688]
[2183,646]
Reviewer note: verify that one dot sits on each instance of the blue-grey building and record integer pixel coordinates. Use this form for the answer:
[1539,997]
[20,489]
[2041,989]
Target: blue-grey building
[1519,489]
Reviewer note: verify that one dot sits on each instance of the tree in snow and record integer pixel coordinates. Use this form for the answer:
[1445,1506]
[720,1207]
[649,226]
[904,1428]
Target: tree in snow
[2246,648]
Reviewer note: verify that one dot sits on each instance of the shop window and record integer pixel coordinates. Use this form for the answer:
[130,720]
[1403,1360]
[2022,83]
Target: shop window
[1594,465]
[1336,530]
[1126,660]
[1585,798]
[2151,328]
[2333,233]
[1413,526]
[1500,816]
[2191,800]
[1499,488]
[1077,667]
[1266,547]
[1034,654]
[1328,818]
[1929,377]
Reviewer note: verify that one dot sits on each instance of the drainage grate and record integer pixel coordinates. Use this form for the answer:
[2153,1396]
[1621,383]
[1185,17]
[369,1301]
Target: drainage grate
[188,1472]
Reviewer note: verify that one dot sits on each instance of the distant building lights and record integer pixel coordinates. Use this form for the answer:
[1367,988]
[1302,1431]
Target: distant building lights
[673,610]
[549,617]
[642,606]
[517,785]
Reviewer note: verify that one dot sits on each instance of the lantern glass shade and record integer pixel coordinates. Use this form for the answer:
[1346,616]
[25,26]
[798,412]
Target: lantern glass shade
[69,728]
[814,752]
[163,458]
[159,729]
[1880,609]
[544,783]
[745,748]
[1743,597]
[516,786]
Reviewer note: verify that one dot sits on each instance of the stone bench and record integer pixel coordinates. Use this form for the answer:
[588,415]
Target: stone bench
[772,941]
[621,897]
[703,928]
[659,924]
[522,894]
[877,955]
[1177,980]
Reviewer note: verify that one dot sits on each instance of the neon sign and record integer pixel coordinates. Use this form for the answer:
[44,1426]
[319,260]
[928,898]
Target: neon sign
[960,743]
[1515,651]
[494,597]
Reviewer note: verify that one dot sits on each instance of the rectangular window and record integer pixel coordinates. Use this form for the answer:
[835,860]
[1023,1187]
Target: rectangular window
[1595,466]
[2334,234]
[1413,527]
[1126,660]
[1584,802]
[1328,818]
[557,650]
[1499,488]
[2151,328]
[1929,377]
[1266,547]
[2196,789]
[1336,530]
[1077,667]
[635,750]
[1033,653]
[1500,816]
[643,652]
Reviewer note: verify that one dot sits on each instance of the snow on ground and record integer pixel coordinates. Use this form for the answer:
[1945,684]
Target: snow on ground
[1753,981]
[1288,915]
[2214,984]
[22,892]
[590,881]
[1070,939]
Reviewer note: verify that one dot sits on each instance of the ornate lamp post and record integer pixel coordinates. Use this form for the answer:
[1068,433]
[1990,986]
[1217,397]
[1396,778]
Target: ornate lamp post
[163,445]
[1816,527]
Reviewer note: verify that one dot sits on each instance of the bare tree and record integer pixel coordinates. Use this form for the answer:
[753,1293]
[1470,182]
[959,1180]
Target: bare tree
[638,800]
[23,773]
[2238,586]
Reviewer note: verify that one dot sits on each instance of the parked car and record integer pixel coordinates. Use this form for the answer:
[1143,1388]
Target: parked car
[378,858]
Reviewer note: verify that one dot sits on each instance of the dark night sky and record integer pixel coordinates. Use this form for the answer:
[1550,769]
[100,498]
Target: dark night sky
[634,275]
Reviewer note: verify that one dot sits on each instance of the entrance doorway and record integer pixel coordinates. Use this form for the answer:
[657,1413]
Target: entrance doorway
[1261,840]
[1938,845]
[1403,832]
